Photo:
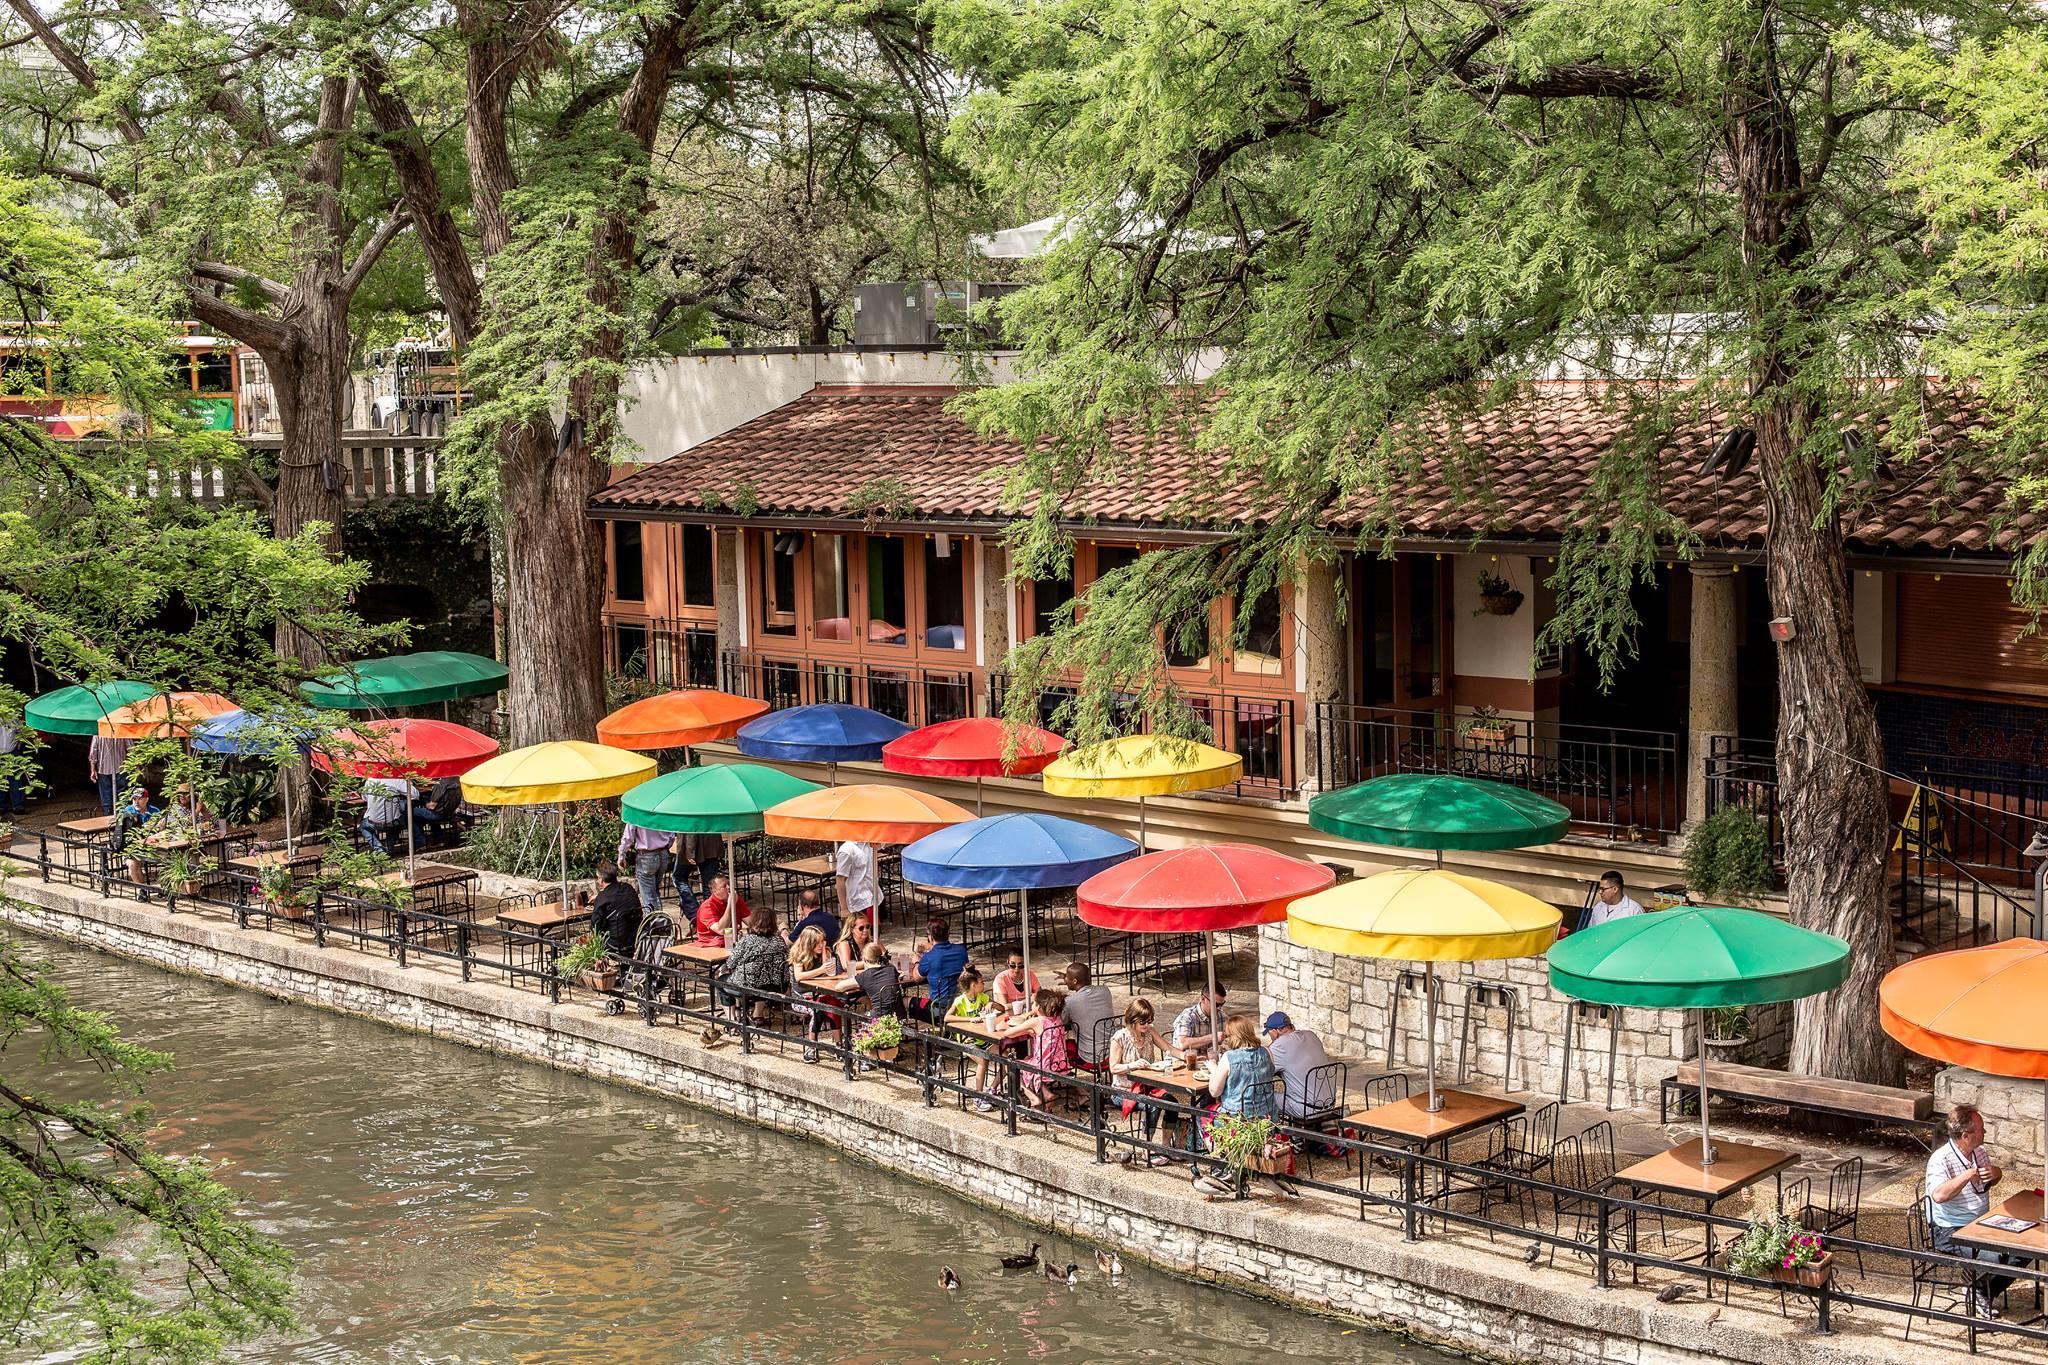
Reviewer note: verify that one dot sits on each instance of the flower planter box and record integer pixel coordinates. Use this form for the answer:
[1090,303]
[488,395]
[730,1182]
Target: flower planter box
[606,980]
[290,910]
[1489,739]
[882,1054]
[1808,1276]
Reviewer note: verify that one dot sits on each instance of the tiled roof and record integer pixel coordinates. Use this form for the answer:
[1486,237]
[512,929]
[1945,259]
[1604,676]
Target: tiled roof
[818,456]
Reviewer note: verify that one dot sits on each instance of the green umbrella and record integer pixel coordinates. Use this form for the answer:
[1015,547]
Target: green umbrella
[1697,957]
[726,798]
[407,680]
[1439,811]
[77,710]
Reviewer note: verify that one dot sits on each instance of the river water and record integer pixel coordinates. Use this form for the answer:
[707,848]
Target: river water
[448,1205]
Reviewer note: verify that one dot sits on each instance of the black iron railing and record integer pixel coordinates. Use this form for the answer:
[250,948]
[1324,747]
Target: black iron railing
[1617,780]
[661,650]
[1742,774]
[915,696]
[1964,875]
[1263,731]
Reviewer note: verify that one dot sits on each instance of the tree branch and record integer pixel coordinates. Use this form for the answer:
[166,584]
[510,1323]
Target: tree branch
[366,259]
[222,273]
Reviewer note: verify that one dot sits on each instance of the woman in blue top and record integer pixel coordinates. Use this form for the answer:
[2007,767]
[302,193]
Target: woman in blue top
[1242,1077]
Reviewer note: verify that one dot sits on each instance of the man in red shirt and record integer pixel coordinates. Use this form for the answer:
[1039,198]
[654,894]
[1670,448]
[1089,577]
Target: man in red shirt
[716,922]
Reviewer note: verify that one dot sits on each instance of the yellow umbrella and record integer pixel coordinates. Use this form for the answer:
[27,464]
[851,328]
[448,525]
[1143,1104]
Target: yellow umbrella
[1142,766]
[556,773]
[1424,915]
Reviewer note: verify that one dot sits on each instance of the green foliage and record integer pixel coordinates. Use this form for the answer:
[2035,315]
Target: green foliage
[89,1204]
[179,866]
[1238,1140]
[242,795]
[585,955]
[522,842]
[1728,856]
[879,1034]
[1728,1023]
[1774,1240]
[881,499]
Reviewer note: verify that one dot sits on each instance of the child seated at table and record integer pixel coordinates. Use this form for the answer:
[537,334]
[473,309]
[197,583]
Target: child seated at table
[970,1001]
[1049,1060]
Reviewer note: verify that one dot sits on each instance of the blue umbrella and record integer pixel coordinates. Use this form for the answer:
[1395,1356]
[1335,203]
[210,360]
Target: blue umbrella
[237,733]
[1014,852]
[826,733]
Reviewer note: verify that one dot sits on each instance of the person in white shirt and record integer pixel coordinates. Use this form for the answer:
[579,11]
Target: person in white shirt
[14,783]
[853,872]
[1960,1174]
[1611,901]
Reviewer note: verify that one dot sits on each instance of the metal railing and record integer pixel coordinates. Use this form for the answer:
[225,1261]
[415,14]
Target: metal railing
[1617,780]
[1546,1207]
[1263,731]
[1743,774]
[915,696]
[668,652]
[1963,873]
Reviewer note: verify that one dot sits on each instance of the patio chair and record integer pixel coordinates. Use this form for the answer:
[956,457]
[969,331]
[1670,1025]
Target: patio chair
[1524,1148]
[1378,1091]
[1843,1206]
[1324,1091]
[1947,1287]
[1579,1167]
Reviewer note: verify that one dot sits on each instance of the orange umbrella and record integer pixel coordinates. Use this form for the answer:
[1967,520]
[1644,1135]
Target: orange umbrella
[1976,1007]
[166,715]
[866,813]
[676,720]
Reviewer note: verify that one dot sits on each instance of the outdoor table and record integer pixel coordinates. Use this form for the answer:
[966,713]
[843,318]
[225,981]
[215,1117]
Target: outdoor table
[544,919]
[794,875]
[1678,1171]
[2031,1245]
[1410,1123]
[696,959]
[84,834]
[432,885]
[1183,1085]
[305,855]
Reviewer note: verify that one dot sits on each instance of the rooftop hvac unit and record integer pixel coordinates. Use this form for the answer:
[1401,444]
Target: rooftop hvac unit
[917,314]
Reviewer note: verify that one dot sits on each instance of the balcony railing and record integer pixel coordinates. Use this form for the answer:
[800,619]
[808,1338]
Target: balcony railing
[666,652]
[915,696]
[1619,781]
[1260,730]
[1743,774]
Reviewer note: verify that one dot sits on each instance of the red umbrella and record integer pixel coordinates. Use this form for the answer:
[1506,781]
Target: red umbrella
[976,747]
[404,747]
[1199,890]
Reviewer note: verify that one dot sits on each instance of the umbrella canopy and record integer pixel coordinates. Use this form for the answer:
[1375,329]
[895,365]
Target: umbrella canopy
[1424,916]
[1141,765]
[1438,811]
[866,813]
[407,680]
[1976,1007]
[1697,957]
[163,715]
[405,748]
[79,710]
[1015,852]
[826,733]
[974,746]
[726,798]
[675,720]
[1199,889]
[240,732]
[559,771]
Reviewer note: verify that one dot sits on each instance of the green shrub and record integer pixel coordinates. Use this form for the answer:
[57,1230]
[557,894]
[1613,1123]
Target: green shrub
[1728,856]
[521,842]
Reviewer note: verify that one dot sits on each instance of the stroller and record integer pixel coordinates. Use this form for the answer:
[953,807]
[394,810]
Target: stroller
[637,977]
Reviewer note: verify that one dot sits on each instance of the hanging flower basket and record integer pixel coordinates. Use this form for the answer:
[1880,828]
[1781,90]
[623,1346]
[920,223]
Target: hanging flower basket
[1501,603]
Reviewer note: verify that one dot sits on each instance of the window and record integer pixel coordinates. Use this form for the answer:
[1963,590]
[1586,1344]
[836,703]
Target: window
[1048,595]
[629,578]
[945,594]
[888,593]
[1967,634]
[1377,639]
[699,573]
[23,375]
[1260,652]
[1187,640]
[778,582]
[178,372]
[629,649]
[1110,558]
[830,617]
[216,372]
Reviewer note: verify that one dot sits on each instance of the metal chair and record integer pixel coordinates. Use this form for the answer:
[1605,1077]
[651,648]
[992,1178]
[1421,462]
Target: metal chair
[1378,1091]
[1323,1092]
[1579,1166]
[1843,1206]
[1937,1279]
[1525,1148]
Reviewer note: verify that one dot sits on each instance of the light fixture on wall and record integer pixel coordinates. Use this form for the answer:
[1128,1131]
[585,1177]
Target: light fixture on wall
[942,545]
[788,543]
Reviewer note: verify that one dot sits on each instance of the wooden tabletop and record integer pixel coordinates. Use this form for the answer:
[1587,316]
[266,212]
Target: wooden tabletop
[425,875]
[1180,1080]
[98,824]
[957,895]
[539,917]
[277,857]
[1462,1112]
[703,955]
[1678,1171]
[836,985]
[2024,1205]
[805,867]
[172,841]
[999,1030]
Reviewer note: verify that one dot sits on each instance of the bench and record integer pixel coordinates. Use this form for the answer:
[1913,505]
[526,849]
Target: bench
[1818,1094]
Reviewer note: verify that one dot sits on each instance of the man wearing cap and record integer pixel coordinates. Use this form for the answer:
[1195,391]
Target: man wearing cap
[1296,1052]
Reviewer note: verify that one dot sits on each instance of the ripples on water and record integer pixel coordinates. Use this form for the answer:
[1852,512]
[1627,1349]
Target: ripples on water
[448,1205]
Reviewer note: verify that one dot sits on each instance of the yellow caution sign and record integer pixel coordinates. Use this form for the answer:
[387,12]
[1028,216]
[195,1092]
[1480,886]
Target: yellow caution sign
[1922,824]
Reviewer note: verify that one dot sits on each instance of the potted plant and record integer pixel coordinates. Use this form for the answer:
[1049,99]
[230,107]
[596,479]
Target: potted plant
[586,964]
[1728,856]
[1248,1146]
[281,891]
[182,872]
[879,1038]
[1776,1247]
[1727,1033]
[1497,596]
[1487,726]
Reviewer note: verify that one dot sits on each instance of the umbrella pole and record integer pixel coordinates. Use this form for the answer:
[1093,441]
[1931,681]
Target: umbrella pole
[1215,1024]
[411,839]
[562,850]
[977,796]
[1706,1138]
[2044,1134]
[1024,909]
[1141,825]
[1436,1101]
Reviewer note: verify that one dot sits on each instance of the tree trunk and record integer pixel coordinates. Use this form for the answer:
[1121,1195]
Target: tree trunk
[310,377]
[1832,799]
[552,627]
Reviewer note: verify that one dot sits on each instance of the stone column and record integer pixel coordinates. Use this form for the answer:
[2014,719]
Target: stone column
[993,570]
[1322,648]
[726,564]
[1711,710]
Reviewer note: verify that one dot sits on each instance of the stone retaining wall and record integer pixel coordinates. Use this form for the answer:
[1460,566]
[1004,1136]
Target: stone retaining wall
[1347,999]
[2012,1116]
[1435,1290]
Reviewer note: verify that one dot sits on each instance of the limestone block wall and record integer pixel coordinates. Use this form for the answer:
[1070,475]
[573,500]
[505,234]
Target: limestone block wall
[2012,1117]
[1347,1000]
